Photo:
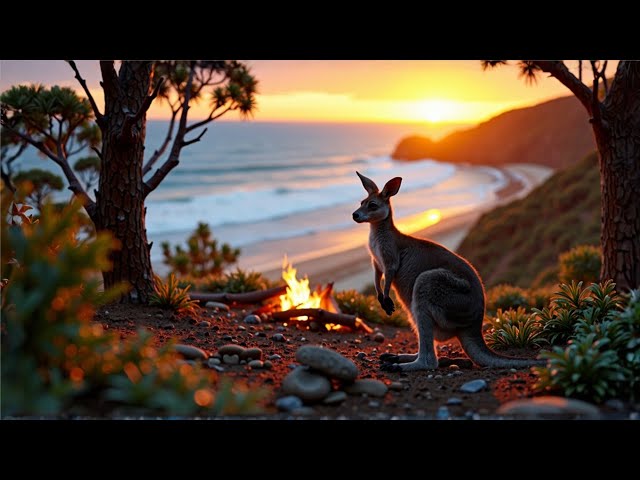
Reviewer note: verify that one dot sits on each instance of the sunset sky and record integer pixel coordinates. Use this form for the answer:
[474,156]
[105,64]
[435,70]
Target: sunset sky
[395,91]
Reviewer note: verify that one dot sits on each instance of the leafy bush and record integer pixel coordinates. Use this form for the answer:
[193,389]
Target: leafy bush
[238,281]
[504,297]
[514,328]
[581,263]
[603,359]
[203,256]
[572,303]
[171,296]
[368,308]
[54,358]
[582,370]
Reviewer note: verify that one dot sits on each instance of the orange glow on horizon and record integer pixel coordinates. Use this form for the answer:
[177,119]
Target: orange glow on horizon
[325,107]
[430,92]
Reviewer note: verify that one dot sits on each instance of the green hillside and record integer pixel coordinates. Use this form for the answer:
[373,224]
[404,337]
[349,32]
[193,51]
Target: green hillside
[554,133]
[514,243]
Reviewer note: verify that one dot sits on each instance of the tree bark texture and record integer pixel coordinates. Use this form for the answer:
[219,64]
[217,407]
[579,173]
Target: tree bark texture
[120,196]
[618,138]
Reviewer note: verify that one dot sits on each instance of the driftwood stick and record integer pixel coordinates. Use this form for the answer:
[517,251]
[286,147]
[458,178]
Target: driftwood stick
[321,315]
[248,297]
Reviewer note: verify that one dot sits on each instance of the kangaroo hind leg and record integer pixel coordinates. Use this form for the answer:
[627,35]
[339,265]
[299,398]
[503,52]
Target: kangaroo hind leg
[425,313]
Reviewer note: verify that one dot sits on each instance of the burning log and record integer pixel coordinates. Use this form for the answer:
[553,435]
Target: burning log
[243,298]
[327,302]
[323,316]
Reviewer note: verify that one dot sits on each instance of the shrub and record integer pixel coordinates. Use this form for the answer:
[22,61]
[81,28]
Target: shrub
[368,308]
[238,281]
[582,370]
[504,297]
[602,360]
[203,256]
[572,303]
[171,296]
[581,263]
[514,328]
[54,358]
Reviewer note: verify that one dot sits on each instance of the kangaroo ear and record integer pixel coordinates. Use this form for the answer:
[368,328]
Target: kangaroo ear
[392,187]
[368,184]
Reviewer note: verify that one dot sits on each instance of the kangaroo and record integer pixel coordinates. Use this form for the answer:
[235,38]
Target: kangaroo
[441,290]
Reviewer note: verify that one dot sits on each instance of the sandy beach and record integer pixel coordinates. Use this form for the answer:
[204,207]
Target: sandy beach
[342,256]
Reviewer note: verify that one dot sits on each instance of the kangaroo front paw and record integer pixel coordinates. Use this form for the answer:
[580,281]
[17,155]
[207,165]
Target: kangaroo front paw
[387,305]
[390,367]
[389,358]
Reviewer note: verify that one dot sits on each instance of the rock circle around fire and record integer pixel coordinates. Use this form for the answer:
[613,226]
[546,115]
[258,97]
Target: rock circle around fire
[190,352]
[306,385]
[367,386]
[328,362]
[311,382]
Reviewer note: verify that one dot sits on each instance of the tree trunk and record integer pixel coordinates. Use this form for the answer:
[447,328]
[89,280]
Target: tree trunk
[120,197]
[618,139]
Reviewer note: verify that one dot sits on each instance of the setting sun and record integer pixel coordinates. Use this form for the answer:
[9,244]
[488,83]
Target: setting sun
[433,216]
[439,110]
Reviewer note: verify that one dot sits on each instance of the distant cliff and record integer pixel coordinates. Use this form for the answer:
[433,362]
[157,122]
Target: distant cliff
[554,133]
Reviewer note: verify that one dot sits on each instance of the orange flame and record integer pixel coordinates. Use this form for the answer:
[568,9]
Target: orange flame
[298,294]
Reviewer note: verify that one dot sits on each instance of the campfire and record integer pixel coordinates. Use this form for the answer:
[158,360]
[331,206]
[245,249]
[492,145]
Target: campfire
[312,309]
[300,297]
[298,294]
[298,304]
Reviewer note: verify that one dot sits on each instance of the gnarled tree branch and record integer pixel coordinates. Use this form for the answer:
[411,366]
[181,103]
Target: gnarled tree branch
[160,151]
[559,70]
[174,156]
[83,83]
[197,139]
[74,184]
[603,74]
[209,119]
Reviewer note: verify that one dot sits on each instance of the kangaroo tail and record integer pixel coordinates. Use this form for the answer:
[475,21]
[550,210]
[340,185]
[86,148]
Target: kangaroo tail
[474,346]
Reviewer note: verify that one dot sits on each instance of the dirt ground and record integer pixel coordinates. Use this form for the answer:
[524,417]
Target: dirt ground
[412,395]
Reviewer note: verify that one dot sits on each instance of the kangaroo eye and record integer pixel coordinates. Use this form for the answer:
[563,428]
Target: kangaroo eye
[373,206]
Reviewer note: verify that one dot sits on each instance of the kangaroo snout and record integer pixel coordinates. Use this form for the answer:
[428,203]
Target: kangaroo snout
[357,216]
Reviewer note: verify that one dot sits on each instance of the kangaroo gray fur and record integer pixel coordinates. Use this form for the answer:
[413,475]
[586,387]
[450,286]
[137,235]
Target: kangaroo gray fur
[441,290]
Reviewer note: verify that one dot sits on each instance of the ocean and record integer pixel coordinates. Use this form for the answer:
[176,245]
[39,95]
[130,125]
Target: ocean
[256,182]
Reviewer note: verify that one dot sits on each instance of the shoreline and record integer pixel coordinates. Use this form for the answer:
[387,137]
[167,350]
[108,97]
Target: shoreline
[346,262]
